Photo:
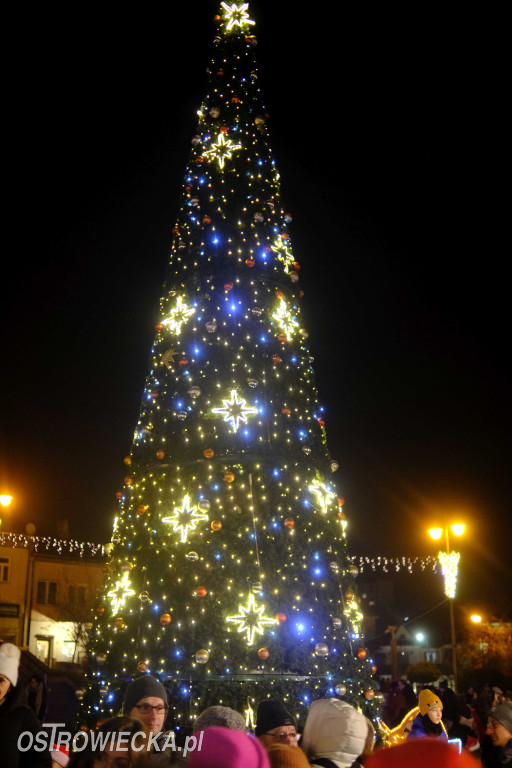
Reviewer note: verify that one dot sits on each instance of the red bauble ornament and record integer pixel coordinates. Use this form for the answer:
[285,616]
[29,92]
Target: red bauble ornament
[280,618]
[207,220]
[374,669]
[282,338]
[142,666]
[235,100]
[279,294]
[361,654]
[341,501]
[296,266]
[289,522]
[228,477]
[349,594]
[141,509]
[263,654]
[224,129]
[165,619]
[286,411]
[183,362]
[276,359]
[100,610]
[201,591]
[250,262]
[128,480]
[208,453]
[285,236]
[158,327]
[321,422]
[160,454]
[119,494]
[127,460]
[216,525]
[228,287]
[369,694]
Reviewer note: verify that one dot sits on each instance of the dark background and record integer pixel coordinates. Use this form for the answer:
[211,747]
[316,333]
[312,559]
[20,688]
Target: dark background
[383,122]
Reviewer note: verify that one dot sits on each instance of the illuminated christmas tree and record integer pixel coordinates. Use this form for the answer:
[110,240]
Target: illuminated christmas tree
[228,576]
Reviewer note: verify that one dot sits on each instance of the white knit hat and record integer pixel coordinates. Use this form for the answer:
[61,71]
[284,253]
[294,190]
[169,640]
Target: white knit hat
[9,661]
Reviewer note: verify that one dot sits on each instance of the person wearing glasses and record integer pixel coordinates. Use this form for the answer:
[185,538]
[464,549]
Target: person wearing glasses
[274,724]
[145,699]
[499,728]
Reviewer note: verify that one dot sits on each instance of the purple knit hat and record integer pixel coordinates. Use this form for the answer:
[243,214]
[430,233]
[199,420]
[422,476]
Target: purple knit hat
[223,748]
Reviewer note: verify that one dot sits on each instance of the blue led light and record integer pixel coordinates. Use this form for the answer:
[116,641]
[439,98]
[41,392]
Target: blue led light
[263,338]
[276,473]
[317,555]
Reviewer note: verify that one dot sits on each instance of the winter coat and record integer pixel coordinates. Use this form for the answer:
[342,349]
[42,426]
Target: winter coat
[16,717]
[334,731]
[418,729]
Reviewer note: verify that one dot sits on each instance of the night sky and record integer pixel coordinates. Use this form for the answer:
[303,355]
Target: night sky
[382,126]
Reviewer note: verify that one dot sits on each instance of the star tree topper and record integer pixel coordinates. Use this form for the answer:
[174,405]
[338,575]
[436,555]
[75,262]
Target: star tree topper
[236,15]
[235,410]
[185,519]
[251,620]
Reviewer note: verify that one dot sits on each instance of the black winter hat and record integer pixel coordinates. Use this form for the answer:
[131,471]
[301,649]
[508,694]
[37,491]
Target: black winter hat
[271,714]
[143,686]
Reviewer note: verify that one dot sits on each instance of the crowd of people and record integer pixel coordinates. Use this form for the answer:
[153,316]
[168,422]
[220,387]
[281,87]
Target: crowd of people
[437,728]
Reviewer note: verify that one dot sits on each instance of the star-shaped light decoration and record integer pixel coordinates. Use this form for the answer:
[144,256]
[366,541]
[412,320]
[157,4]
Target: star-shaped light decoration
[282,250]
[353,614]
[168,357]
[236,15]
[324,495]
[222,150]
[185,519]
[235,410]
[285,319]
[251,619]
[120,592]
[178,316]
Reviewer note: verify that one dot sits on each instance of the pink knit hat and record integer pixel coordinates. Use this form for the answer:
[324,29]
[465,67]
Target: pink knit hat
[223,748]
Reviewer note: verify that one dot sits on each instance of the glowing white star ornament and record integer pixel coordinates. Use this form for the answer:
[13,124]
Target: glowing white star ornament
[222,150]
[120,592]
[236,15]
[282,251]
[251,619]
[235,410]
[324,495]
[178,316]
[285,319]
[185,519]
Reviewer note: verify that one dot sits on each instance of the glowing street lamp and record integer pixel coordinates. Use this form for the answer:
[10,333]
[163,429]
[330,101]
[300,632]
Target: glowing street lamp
[449,562]
[5,499]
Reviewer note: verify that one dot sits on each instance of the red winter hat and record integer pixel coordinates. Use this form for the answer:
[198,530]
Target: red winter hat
[421,753]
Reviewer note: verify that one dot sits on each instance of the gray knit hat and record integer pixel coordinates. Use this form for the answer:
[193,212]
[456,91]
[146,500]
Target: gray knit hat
[222,716]
[503,714]
[140,688]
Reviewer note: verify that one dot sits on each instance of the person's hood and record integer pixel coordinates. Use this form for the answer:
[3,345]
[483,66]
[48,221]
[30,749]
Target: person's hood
[335,730]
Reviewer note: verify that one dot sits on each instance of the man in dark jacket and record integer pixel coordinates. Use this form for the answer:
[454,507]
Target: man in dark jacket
[17,718]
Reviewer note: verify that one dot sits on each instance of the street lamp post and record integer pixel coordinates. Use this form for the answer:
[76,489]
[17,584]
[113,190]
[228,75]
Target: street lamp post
[449,567]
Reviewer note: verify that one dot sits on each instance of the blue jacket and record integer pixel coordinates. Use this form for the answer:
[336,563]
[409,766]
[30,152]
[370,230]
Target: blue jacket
[418,730]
